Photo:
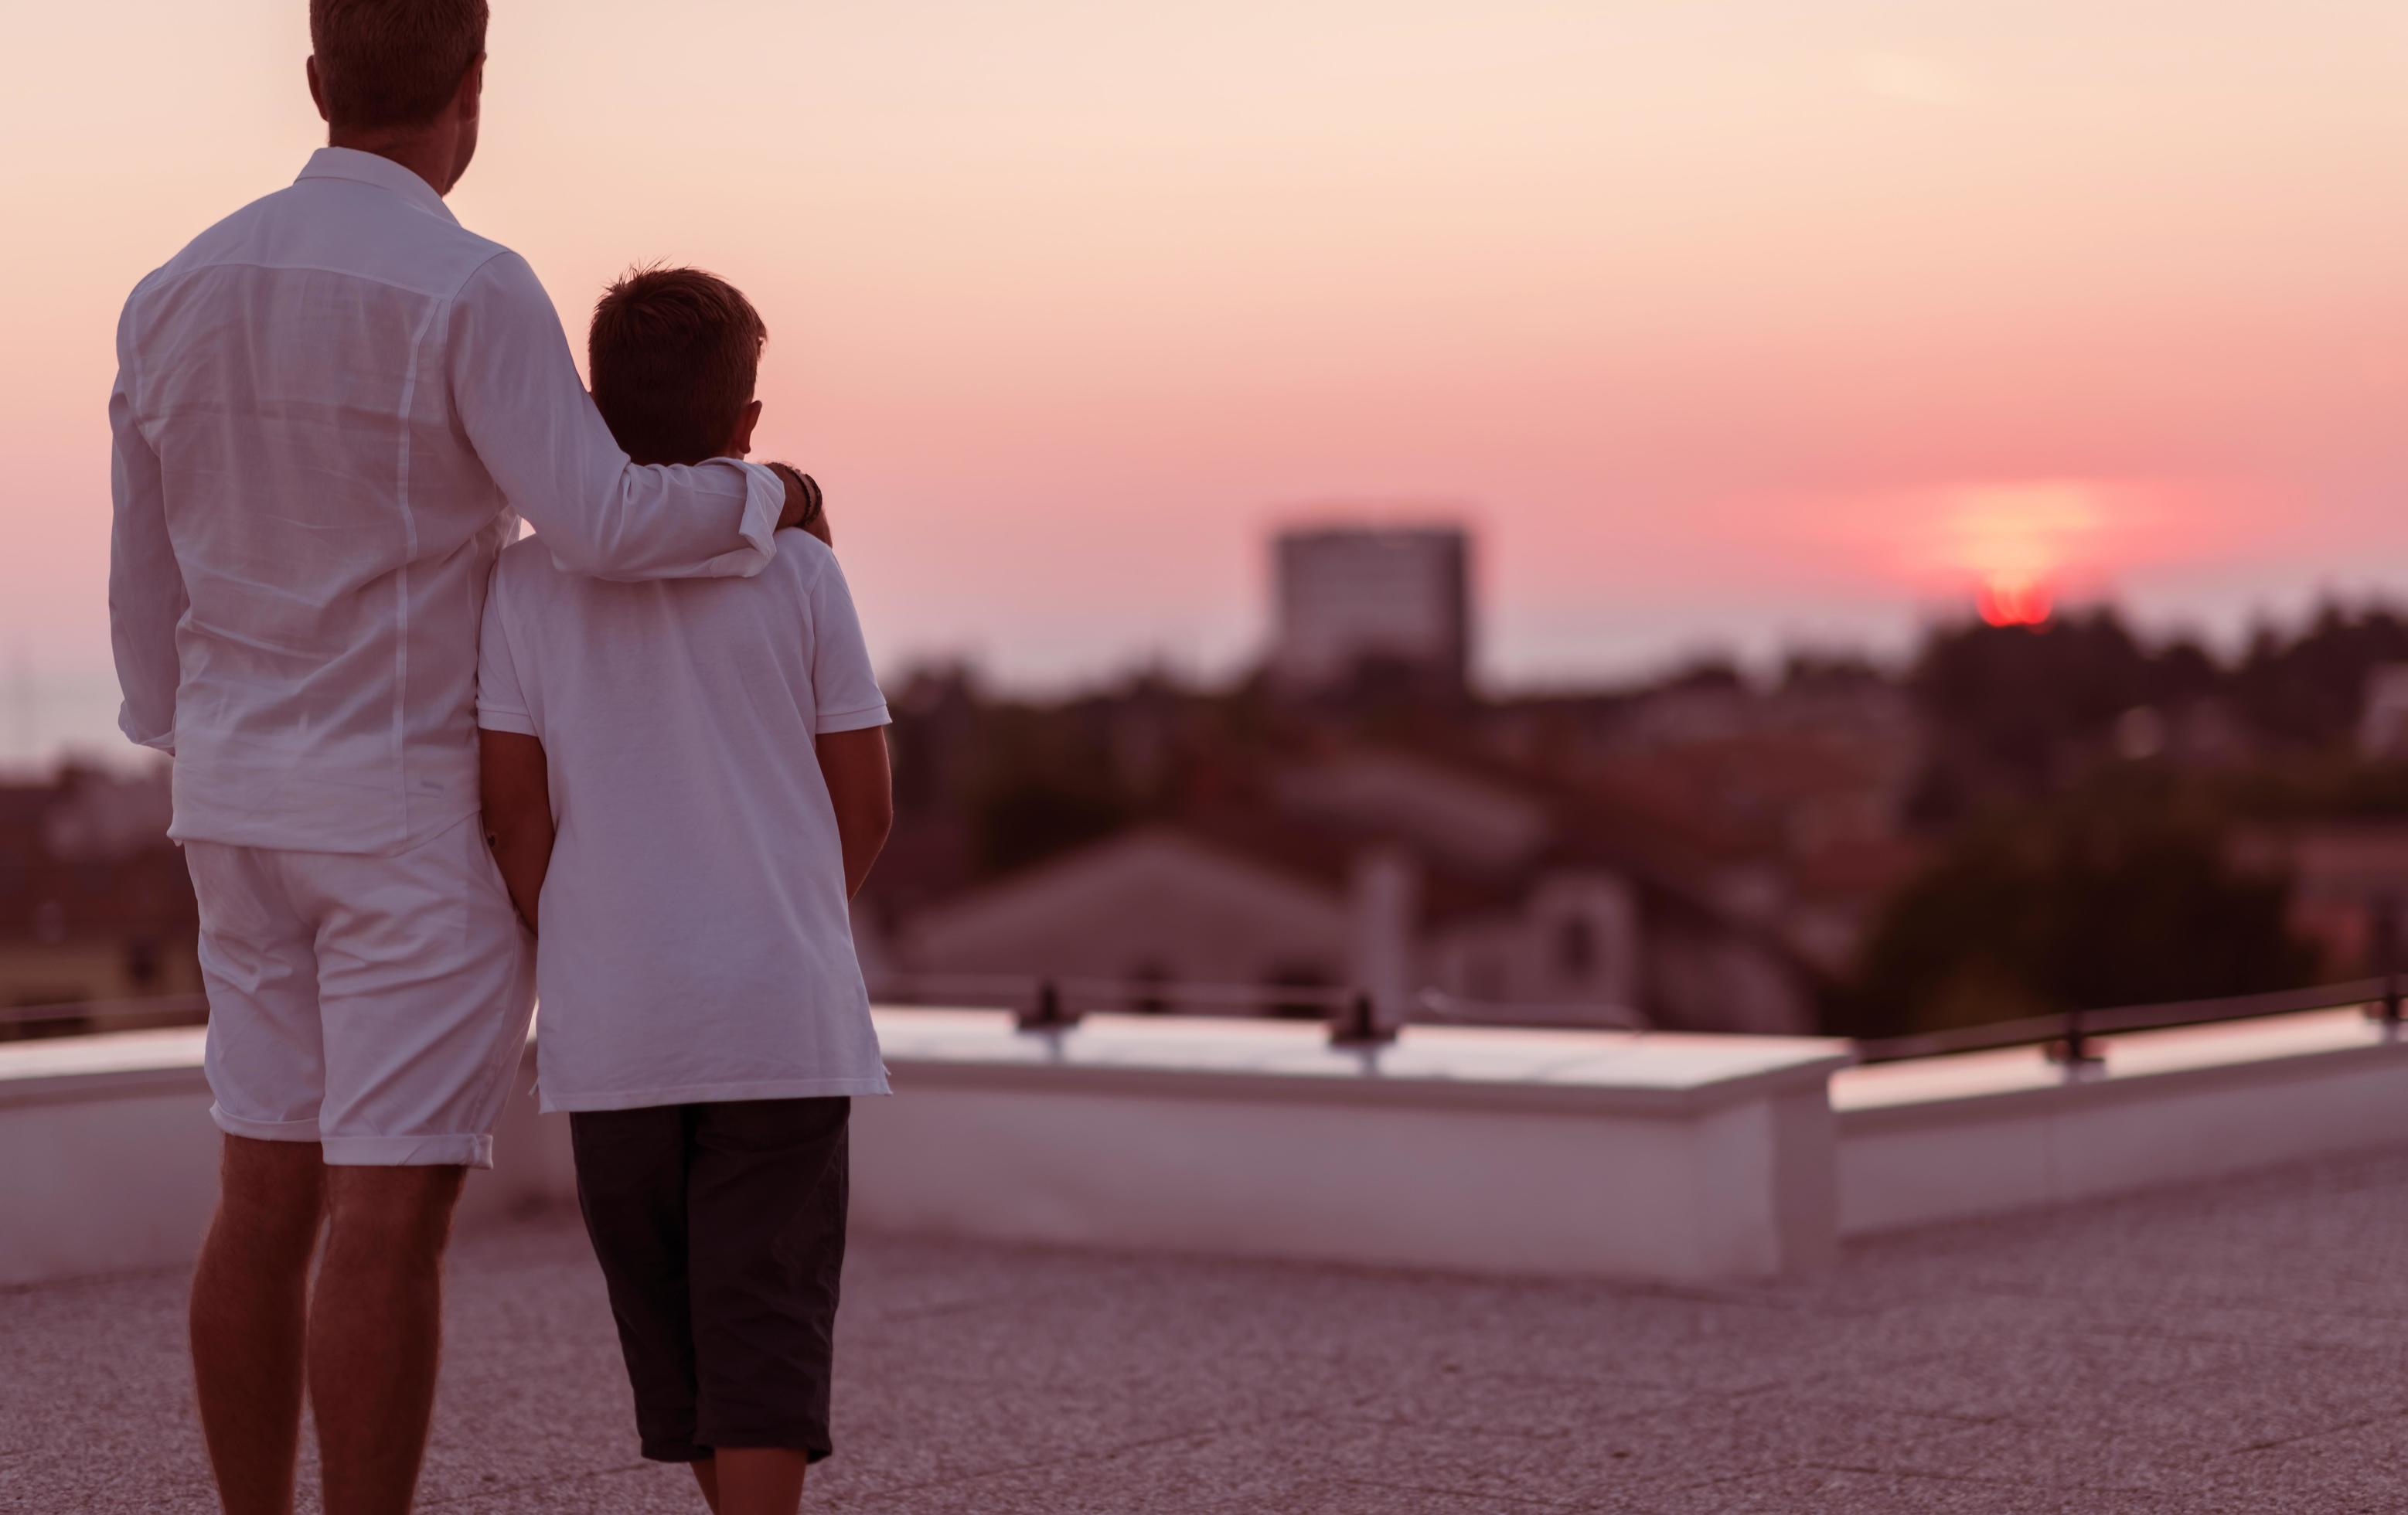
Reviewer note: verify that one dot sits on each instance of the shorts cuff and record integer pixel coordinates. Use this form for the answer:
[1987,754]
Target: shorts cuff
[674,1452]
[236,1126]
[408,1151]
[812,1444]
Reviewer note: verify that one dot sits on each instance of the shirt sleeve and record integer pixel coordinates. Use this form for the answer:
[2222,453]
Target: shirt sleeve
[146,587]
[844,687]
[501,699]
[515,389]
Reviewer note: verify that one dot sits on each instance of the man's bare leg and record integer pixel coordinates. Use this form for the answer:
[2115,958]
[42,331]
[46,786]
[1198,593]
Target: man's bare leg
[248,1317]
[375,1331]
[706,1472]
[760,1481]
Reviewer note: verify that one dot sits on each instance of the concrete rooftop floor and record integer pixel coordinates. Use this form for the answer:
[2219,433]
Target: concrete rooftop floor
[2242,1349]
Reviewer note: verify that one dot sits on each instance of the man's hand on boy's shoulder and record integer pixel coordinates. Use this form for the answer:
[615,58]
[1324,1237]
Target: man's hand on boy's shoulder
[805,505]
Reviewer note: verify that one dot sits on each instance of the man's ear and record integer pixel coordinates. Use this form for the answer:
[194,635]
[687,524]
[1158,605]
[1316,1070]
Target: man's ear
[317,90]
[470,100]
[740,445]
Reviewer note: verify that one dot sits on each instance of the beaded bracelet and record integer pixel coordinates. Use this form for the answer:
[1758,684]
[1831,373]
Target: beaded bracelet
[814,503]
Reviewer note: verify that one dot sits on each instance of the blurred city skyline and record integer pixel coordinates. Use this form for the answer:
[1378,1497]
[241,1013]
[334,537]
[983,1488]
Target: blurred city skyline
[1722,331]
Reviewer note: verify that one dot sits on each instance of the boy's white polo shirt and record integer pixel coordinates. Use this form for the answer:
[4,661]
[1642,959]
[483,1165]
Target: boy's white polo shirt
[694,942]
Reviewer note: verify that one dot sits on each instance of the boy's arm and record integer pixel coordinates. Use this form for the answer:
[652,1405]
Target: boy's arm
[518,814]
[862,787]
[851,719]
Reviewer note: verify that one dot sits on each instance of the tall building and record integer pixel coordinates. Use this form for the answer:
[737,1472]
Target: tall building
[1353,599]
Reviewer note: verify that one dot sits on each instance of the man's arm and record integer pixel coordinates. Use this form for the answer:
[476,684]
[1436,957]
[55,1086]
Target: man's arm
[536,432]
[518,814]
[862,787]
[146,587]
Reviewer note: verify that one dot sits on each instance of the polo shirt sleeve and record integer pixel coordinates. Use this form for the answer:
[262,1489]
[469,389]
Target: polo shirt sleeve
[501,699]
[844,687]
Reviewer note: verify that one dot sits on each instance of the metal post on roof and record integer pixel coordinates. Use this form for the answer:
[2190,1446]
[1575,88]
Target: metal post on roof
[2076,1053]
[1356,1023]
[2384,949]
[1044,1012]
[2385,957]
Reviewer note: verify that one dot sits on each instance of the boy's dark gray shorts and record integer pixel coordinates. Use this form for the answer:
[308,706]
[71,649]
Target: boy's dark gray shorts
[721,1232]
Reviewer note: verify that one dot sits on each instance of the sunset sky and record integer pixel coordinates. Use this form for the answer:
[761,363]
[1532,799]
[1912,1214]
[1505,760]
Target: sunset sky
[1725,323]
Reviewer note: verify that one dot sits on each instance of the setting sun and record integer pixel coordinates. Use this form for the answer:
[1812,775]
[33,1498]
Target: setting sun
[2020,542]
[2008,601]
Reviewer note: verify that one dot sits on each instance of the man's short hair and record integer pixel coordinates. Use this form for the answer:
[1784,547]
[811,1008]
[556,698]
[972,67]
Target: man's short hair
[392,63]
[673,355]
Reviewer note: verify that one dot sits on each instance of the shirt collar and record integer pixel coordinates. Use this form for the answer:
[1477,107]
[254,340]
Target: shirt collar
[385,173]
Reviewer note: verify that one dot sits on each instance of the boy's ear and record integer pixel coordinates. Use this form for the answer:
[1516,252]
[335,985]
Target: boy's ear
[740,445]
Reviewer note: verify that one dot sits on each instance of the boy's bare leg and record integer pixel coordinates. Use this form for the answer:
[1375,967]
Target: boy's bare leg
[760,1481]
[706,1472]
[376,1330]
[250,1318]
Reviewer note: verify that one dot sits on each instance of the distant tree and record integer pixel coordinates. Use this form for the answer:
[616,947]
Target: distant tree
[1806,668]
[2018,712]
[2122,895]
[2331,785]
[2310,689]
[2019,692]
[1712,670]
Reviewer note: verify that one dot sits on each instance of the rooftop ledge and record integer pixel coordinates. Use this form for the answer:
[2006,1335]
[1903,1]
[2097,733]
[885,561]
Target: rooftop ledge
[1617,1155]
[1596,1071]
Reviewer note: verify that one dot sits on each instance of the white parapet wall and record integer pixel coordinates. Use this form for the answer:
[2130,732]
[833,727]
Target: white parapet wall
[108,1158]
[1596,1155]
[1954,1138]
[1587,1154]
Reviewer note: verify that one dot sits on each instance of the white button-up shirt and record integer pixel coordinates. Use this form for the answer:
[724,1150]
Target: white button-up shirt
[330,409]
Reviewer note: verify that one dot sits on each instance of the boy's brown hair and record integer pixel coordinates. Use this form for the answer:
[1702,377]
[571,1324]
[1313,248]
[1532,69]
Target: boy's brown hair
[392,63]
[673,355]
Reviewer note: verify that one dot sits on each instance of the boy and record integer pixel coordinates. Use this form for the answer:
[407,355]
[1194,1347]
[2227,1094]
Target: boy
[652,803]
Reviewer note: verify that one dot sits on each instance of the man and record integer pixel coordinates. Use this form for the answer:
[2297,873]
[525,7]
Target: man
[329,408]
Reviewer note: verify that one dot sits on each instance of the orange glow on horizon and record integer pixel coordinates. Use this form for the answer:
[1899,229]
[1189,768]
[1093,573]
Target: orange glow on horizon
[2016,544]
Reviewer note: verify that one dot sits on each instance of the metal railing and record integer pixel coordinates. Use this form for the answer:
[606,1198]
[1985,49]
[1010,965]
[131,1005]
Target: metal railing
[1057,1004]
[2071,1036]
[1039,1003]
[1054,1004]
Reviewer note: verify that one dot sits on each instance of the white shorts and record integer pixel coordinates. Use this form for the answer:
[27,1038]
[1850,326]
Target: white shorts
[375,1005]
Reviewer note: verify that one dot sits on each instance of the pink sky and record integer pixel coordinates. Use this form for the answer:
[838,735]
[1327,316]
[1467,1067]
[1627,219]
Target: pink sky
[1723,323]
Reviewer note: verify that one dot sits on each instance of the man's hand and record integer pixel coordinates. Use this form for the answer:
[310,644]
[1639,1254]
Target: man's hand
[804,504]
